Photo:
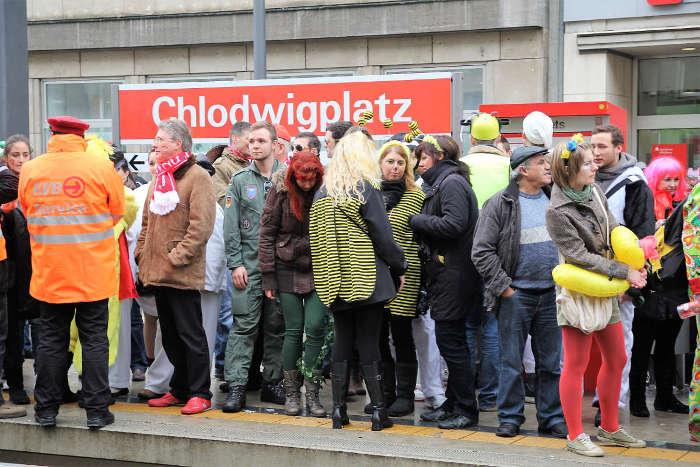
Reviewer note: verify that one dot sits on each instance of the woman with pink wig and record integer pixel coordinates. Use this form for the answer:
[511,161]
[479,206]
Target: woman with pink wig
[656,322]
[666,179]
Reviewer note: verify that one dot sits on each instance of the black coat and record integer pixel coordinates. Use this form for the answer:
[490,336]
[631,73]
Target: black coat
[19,255]
[9,183]
[445,232]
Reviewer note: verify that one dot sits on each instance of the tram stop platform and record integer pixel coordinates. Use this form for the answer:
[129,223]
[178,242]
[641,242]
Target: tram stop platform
[262,435]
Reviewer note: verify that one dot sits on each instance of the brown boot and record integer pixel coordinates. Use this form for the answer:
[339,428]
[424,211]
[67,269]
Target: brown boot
[12,411]
[313,403]
[292,403]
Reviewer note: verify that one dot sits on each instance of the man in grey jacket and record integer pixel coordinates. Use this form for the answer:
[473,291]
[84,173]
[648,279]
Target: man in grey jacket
[515,257]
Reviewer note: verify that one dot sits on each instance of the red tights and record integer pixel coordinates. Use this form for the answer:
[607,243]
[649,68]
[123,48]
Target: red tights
[577,348]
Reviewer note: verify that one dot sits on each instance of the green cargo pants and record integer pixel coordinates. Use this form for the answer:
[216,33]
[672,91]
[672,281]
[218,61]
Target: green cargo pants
[249,306]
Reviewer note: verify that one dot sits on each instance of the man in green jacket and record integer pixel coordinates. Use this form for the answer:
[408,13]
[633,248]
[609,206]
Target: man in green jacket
[245,199]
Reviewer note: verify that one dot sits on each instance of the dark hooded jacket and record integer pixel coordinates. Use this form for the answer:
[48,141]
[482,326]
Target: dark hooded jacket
[445,231]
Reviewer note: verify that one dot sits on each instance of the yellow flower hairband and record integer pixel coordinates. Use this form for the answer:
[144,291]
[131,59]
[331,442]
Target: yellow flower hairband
[571,146]
[431,139]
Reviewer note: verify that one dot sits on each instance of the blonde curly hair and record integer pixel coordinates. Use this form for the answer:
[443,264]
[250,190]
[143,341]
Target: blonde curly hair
[353,162]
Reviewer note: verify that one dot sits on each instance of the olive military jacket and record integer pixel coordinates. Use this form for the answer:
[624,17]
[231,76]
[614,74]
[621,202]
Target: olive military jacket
[243,207]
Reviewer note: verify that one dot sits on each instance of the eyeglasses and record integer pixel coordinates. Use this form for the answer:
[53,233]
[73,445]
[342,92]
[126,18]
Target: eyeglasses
[590,165]
[267,185]
[299,148]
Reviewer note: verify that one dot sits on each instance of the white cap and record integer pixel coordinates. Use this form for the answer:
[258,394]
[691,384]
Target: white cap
[538,129]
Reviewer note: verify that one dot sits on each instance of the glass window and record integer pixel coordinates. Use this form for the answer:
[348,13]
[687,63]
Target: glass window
[690,137]
[472,83]
[669,86]
[89,101]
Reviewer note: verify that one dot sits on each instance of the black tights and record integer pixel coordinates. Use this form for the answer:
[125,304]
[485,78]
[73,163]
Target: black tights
[358,327]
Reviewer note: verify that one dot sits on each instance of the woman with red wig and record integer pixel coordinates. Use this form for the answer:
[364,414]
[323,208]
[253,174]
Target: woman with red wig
[666,179]
[285,263]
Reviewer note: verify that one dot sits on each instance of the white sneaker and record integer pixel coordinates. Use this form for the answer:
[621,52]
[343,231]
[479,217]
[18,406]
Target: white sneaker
[621,438]
[433,402]
[418,395]
[584,446]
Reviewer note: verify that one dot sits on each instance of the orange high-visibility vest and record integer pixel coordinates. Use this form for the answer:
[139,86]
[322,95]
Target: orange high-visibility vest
[3,247]
[71,201]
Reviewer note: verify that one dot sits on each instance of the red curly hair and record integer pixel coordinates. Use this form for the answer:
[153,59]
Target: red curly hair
[306,164]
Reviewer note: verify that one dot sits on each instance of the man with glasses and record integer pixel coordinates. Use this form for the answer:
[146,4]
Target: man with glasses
[307,141]
[244,204]
[283,145]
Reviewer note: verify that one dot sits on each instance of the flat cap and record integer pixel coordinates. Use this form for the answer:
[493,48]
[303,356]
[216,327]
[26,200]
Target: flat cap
[66,124]
[523,153]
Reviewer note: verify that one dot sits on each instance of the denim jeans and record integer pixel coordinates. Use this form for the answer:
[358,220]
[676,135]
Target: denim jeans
[482,327]
[224,325]
[138,346]
[451,340]
[521,314]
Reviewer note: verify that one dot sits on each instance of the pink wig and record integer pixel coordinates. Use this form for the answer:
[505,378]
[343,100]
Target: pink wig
[655,173]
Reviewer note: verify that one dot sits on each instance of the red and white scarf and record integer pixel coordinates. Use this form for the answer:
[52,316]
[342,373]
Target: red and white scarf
[165,198]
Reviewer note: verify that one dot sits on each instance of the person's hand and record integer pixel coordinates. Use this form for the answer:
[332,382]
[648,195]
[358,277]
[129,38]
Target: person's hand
[270,294]
[240,278]
[637,278]
[402,283]
[507,293]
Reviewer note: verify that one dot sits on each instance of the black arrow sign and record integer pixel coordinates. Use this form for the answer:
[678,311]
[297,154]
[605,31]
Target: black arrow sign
[134,163]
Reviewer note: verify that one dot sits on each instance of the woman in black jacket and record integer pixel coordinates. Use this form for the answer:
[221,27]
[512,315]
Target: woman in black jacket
[445,231]
[21,306]
[357,267]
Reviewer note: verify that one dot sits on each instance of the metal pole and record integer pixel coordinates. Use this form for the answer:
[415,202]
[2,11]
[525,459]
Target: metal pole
[14,89]
[259,45]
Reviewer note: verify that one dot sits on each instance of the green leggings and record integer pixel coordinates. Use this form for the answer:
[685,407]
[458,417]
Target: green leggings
[302,313]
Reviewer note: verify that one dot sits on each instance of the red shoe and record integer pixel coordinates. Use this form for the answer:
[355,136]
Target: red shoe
[166,401]
[196,405]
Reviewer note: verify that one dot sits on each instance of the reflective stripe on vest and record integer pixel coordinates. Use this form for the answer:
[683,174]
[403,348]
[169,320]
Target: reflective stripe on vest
[56,239]
[68,220]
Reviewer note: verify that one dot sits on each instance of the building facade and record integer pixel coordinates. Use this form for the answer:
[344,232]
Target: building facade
[77,49]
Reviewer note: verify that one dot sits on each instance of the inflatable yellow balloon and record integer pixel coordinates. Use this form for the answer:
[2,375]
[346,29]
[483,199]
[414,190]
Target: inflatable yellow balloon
[587,282]
[625,245]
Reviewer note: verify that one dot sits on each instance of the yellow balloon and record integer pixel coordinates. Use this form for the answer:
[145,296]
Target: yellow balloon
[587,282]
[625,245]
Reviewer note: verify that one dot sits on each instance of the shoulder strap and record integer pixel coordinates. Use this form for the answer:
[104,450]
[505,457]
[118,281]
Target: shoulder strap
[605,213]
[615,188]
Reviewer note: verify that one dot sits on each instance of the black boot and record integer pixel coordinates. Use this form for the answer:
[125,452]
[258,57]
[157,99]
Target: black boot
[339,379]
[388,372]
[373,380]
[406,374]
[665,400]
[638,386]
[638,405]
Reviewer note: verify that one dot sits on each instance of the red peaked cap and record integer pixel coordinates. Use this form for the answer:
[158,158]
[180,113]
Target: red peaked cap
[68,125]
[282,132]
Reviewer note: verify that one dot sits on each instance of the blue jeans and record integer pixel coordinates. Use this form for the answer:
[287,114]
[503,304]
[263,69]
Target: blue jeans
[521,314]
[138,346]
[223,328]
[484,326]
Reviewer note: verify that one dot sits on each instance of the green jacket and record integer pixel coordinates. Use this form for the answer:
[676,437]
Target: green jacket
[245,200]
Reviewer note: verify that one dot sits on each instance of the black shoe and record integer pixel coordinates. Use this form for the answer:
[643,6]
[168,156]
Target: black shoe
[456,422]
[672,405]
[45,421]
[224,387]
[100,421]
[339,384]
[120,392]
[507,430]
[596,419]
[273,393]
[369,408]
[638,407]
[435,415]
[235,401]
[19,396]
[558,430]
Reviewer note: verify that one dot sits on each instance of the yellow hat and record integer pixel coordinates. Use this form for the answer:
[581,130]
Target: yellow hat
[485,127]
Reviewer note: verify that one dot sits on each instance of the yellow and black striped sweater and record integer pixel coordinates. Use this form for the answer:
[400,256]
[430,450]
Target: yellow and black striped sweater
[351,247]
[404,304]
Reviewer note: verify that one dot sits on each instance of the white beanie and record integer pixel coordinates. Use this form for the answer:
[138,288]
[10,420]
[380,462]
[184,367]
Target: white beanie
[538,129]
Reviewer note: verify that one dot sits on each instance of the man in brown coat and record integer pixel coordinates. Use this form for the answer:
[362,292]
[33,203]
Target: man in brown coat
[178,219]
[233,158]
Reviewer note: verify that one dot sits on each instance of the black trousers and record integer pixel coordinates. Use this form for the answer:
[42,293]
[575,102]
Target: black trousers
[647,331]
[52,355]
[14,346]
[401,329]
[451,337]
[184,341]
[359,327]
